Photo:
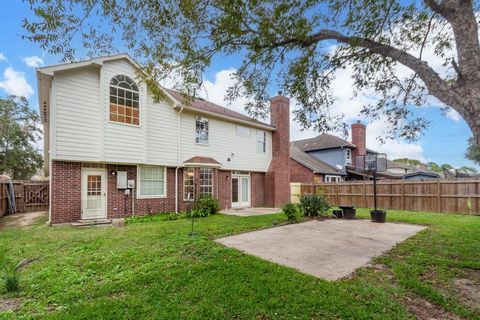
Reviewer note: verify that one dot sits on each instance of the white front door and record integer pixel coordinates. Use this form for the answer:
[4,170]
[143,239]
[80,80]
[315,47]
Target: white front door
[94,194]
[240,191]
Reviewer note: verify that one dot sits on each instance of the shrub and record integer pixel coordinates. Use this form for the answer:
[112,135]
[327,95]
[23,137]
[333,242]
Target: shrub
[10,280]
[293,212]
[9,274]
[314,205]
[206,206]
[197,213]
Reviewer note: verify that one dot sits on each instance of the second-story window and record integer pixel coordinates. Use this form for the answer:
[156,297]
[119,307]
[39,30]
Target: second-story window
[124,100]
[348,156]
[261,141]
[201,130]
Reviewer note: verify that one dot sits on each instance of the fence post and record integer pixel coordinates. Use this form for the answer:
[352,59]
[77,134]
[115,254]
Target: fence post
[403,195]
[336,194]
[365,205]
[439,195]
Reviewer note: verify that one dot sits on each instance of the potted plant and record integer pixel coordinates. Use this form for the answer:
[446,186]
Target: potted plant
[378,216]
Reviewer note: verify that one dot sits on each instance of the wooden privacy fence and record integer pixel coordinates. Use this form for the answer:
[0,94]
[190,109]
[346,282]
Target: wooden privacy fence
[29,196]
[456,196]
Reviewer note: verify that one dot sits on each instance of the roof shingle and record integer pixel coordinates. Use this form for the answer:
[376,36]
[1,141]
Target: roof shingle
[204,105]
[311,162]
[323,141]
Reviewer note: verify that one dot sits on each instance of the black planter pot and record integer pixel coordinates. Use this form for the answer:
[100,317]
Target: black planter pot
[378,216]
[349,213]
[337,213]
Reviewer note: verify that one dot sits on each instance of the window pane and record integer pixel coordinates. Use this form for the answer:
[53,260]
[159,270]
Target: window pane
[152,181]
[124,94]
[201,130]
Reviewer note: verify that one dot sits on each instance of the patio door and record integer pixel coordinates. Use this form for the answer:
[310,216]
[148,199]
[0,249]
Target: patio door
[94,194]
[240,191]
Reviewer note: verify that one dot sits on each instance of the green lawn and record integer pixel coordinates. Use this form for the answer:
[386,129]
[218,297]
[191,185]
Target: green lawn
[155,270]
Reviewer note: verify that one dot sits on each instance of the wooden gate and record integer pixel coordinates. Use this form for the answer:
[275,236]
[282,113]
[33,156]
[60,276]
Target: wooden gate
[29,196]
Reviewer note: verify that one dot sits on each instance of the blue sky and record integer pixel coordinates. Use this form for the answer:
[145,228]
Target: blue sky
[443,142]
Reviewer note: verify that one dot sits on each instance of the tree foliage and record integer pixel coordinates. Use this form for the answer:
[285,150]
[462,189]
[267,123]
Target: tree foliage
[407,161]
[473,152]
[300,43]
[19,131]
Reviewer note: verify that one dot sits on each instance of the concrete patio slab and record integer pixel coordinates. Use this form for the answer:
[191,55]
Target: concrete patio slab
[330,249]
[247,212]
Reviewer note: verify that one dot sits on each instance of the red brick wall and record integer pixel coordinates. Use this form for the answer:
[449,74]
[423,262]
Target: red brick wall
[300,173]
[359,140]
[224,183]
[257,181]
[119,205]
[66,191]
[277,182]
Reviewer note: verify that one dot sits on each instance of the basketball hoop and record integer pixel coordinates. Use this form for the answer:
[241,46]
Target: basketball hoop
[371,164]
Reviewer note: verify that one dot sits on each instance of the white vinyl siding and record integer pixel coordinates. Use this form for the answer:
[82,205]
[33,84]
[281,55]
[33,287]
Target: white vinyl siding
[82,131]
[243,131]
[223,142]
[151,182]
[77,115]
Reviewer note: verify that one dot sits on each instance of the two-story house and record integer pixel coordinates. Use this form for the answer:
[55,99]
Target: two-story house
[112,151]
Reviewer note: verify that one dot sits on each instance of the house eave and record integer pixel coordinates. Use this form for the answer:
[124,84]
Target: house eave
[226,118]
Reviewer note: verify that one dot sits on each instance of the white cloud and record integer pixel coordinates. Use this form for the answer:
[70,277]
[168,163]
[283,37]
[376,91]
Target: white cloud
[346,103]
[393,148]
[2,57]
[33,61]
[14,82]
[216,90]
[454,115]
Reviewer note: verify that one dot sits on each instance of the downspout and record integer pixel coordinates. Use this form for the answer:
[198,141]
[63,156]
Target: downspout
[178,156]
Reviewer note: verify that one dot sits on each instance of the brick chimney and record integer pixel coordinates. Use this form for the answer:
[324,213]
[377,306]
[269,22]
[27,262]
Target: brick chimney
[277,179]
[359,139]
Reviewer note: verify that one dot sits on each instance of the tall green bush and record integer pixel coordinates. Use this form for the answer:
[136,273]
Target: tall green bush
[206,206]
[314,205]
[293,212]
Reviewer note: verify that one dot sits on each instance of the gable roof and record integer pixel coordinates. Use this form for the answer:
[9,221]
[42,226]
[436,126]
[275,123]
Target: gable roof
[312,163]
[323,141]
[210,107]
[196,104]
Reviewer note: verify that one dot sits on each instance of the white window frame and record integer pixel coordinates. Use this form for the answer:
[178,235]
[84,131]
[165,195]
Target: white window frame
[198,133]
[201,193]
[242,131]
[261,141]
[330,178]
[185,170]
[139,182]
[348,156]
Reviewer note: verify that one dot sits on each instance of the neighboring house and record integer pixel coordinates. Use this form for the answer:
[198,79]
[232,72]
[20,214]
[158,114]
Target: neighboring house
[112,151]
[327,158]
[334,158]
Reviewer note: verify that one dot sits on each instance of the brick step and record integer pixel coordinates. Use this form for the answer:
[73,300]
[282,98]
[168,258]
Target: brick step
[92,222]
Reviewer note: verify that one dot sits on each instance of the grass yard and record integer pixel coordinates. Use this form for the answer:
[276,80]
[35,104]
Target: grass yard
[155,270]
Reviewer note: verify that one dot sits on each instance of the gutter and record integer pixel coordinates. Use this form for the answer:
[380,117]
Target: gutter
[178,155]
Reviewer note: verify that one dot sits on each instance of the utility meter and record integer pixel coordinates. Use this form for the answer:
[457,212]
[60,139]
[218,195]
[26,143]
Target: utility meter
[131,184]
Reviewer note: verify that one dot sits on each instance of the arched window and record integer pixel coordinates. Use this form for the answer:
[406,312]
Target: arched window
[124,100]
